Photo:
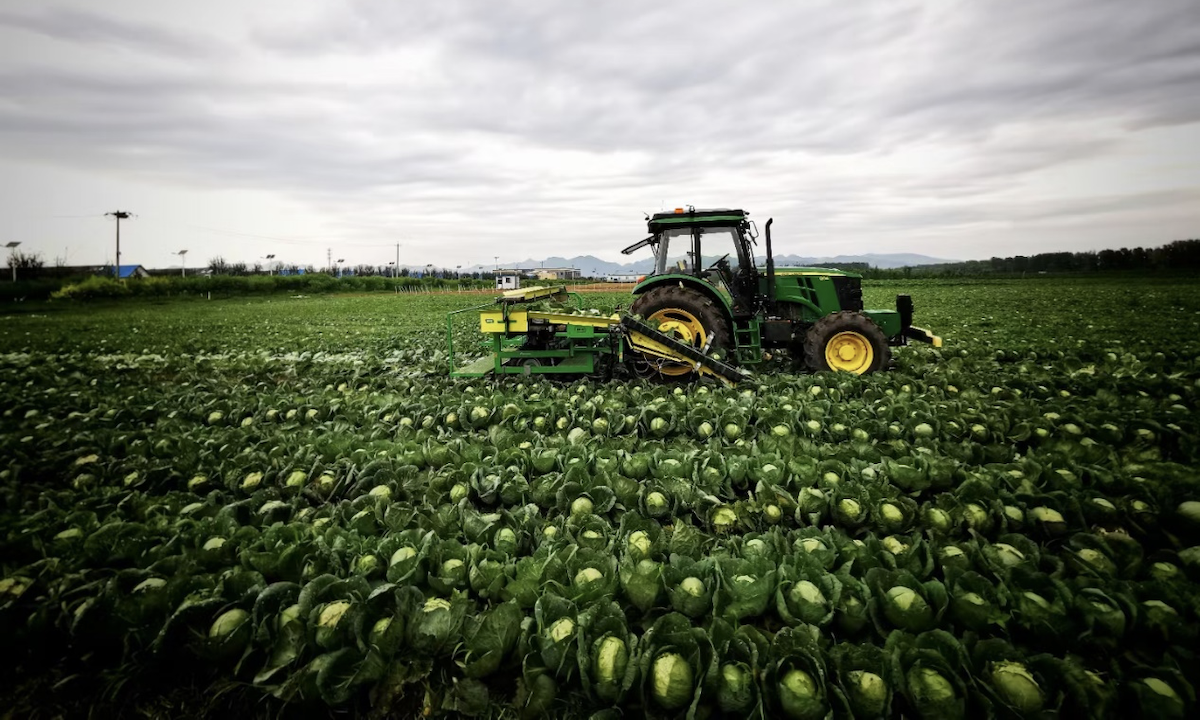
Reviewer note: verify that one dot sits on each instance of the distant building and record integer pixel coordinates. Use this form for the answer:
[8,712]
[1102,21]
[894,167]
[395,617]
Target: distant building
[622,278]
[73,271]
[557,273]
[540,273]
[130,271]
[508,281]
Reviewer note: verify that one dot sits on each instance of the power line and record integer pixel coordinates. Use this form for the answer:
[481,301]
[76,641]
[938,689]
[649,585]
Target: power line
[305,241]
[308,240]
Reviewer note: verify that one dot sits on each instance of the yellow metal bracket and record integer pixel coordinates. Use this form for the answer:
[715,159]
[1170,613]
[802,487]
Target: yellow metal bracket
[533,294]
[930,338]
[498,321]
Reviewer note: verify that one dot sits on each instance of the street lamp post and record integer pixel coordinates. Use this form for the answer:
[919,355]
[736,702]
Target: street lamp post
[12,260]
[269,258]
[339,266]
[182,263]
[392,265]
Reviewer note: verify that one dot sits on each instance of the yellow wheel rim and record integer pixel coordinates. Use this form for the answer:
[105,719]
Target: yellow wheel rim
[683,326]
[849,352]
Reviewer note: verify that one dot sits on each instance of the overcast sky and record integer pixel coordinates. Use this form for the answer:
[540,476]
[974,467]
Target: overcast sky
[468,130]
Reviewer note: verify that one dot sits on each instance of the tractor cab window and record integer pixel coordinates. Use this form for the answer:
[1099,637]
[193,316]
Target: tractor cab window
[716,241]
[674,247]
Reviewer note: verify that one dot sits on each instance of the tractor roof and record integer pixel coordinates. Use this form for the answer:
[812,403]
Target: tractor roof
[693,218]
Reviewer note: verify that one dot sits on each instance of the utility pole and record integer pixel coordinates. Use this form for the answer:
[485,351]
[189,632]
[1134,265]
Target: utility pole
[12,257]
[182,263]
[119,215]
[396,272]
[329,257]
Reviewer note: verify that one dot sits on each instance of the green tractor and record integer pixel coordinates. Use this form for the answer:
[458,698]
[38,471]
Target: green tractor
[735,310]
[691,320]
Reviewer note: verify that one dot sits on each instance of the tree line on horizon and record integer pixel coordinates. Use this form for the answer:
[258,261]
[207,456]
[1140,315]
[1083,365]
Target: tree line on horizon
[1180,255]
[1176,256]
[219,266]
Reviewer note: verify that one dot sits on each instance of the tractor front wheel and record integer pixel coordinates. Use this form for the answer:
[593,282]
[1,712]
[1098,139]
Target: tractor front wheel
[846,342]
[688,316]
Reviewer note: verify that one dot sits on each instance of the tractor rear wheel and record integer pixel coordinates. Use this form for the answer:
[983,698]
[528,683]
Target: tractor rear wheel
[687,315]
[846,342]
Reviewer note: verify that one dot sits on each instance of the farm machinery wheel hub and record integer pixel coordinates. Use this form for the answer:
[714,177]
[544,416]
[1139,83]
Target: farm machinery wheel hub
[849,352]
[682,326]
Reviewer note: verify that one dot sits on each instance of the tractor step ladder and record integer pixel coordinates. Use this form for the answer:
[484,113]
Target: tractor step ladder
[749,342]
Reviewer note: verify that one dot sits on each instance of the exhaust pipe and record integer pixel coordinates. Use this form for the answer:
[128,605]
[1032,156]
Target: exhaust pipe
[904,305]
[770,262]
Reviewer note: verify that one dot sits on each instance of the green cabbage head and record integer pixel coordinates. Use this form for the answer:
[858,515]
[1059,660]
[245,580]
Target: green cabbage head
[800,697]
[671,678]
[1013,682]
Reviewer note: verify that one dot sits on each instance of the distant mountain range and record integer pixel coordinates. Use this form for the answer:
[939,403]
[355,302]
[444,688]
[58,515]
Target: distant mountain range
[590,265]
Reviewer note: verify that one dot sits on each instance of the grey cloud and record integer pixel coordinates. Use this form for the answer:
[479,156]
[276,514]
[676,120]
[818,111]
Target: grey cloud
[95,28]
[1107,205]
[834,78]
[698,94]
[169,120]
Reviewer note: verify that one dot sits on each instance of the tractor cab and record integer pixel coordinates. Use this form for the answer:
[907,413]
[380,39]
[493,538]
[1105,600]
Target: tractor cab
[715,247]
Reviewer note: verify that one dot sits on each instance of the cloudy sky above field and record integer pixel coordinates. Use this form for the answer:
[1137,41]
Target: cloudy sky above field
[467,130]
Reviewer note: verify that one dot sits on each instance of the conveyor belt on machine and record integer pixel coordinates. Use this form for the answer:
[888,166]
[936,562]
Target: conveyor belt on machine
[683,352]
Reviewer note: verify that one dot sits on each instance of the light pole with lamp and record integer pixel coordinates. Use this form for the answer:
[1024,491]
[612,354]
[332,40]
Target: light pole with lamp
[339,266]
[269,258]
[182,263]
[12,260]
[392,265]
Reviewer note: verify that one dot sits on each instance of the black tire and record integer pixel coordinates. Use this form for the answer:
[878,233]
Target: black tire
[833,324]
[693,302]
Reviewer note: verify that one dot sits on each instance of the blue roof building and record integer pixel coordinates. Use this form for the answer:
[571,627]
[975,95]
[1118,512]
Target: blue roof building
[131,271]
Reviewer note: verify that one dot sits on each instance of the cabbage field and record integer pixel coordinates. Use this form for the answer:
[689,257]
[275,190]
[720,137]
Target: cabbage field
[284,507]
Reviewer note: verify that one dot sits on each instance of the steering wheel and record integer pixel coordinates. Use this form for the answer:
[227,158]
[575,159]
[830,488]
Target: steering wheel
[718,262]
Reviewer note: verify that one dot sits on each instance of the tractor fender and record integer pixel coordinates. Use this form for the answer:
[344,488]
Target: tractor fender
[686,281]
[811,306]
